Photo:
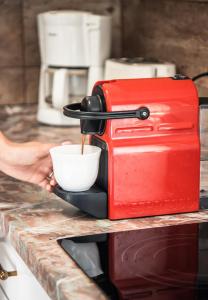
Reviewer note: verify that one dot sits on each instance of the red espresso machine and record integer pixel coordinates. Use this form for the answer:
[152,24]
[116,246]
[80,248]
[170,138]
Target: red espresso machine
[148,130]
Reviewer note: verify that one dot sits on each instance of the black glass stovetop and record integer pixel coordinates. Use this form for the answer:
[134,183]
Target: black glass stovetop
[147,264]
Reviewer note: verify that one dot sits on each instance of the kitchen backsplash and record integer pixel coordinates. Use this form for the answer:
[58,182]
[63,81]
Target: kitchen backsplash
[174,30]
[19,51]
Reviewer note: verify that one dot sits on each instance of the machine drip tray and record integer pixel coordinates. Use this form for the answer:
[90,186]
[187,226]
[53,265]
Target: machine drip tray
[93,201]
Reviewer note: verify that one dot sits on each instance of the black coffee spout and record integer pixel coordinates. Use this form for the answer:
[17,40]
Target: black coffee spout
[93,104]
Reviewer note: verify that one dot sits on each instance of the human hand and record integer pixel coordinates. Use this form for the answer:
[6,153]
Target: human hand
[52,180]
[29,162]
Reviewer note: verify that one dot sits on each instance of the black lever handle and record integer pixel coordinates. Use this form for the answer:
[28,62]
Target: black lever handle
[201,75]
[74,111]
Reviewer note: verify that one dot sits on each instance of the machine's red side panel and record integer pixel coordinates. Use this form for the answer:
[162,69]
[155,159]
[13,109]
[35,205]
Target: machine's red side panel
[155,179]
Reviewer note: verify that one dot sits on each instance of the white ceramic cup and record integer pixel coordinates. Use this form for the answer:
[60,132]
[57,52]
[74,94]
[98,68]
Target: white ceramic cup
[74,171]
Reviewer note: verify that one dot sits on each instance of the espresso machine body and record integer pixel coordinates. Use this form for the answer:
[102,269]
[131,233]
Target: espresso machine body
[148,130]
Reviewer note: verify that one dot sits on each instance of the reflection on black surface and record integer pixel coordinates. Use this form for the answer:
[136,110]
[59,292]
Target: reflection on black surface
[151,264]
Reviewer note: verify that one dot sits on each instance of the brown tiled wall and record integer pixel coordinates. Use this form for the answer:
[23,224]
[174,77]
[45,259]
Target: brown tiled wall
[173,30]
[11,52]
[19,53]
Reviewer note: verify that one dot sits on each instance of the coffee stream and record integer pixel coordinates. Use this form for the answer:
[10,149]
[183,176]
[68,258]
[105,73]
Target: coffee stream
[83,143]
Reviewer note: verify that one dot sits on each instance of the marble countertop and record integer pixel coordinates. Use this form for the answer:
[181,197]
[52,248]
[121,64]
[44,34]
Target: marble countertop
[33,220]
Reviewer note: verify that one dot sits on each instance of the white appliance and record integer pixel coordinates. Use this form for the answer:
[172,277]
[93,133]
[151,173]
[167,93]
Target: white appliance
[137,68]
[73,47]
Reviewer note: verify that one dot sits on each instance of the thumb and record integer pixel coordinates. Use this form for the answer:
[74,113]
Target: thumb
[44,149]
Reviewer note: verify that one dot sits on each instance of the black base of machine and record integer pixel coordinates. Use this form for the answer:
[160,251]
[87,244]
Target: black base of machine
[93,201]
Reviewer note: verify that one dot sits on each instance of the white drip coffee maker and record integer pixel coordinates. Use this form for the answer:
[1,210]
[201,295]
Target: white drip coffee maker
[73,46]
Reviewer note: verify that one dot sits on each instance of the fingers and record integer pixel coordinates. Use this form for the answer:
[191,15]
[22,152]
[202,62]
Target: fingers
[53,182]
[43,150]
[46,168]
[45,184]
[45,171]
[49,188]
[49,181]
